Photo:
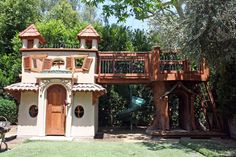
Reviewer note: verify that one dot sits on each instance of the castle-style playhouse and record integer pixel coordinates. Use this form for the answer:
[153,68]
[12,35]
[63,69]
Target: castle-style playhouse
[59,89]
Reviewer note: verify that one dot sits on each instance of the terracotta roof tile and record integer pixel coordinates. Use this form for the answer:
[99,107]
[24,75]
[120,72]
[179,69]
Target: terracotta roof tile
[81,87]
[88,87]
[88,32]
[31,31]
[22,87]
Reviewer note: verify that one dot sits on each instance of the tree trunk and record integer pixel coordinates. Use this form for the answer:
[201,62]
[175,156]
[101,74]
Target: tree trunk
[161,119]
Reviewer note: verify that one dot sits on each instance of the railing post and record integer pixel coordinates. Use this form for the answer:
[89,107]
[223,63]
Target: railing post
[186,66]
[99,66]
[149,66]
[113,64]
[156,62]
[146,65]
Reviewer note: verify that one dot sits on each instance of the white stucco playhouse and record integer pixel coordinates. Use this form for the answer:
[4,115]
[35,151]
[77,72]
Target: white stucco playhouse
[57,93]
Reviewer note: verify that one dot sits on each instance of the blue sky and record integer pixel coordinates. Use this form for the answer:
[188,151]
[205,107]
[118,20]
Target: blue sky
[131,21]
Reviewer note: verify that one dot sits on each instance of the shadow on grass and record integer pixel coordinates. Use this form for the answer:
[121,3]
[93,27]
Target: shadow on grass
[210,148]
[156,146]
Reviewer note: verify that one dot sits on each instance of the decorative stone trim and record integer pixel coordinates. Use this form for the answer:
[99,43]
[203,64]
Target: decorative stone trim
[44,83]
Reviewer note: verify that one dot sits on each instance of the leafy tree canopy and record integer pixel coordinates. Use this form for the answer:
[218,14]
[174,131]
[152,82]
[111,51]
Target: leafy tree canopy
[122,9]
[14,17]
[210,30]
[64,11]
[47,5]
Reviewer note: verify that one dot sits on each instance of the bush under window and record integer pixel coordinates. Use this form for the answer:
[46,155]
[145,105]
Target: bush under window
[8,109]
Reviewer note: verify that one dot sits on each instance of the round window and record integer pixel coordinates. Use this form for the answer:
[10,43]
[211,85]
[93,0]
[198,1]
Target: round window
[33,111]
[79,111]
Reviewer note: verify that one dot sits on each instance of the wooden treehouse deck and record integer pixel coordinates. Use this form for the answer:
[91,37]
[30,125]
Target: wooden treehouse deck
[146,67]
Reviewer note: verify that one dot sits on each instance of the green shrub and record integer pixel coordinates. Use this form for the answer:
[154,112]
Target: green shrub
[8,109]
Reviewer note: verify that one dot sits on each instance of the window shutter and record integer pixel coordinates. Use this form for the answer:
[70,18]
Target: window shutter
[30,43]
[47,64]
[27,63]
[69,63]
[87,63]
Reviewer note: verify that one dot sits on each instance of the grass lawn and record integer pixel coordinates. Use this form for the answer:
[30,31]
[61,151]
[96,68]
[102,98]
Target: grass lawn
[185,148]
[100,149]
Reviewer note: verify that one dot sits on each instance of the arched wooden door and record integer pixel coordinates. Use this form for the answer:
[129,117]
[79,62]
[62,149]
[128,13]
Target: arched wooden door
[55,117]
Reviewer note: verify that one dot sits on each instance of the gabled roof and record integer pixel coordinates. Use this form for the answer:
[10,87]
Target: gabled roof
[31,32]
[178,85]
[88,32]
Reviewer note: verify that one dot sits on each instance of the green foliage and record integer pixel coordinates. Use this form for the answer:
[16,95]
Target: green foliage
[141,40]
[79,62]
[122,9]
[209,30]
[89,14]
[226,89]
[109,106]
[10,69]
[124,39]
[8,109]
[47,5]
[174,111]
[199,115]
[120,37]
[14,17]
[60,34]
[144,116]
[63,11]
[118,99]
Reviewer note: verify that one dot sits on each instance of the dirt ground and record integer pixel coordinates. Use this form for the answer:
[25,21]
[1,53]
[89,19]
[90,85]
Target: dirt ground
[11,138]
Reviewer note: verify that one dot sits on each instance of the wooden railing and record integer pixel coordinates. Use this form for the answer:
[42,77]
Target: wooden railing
[123,65]
[171,66]
[145,67]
